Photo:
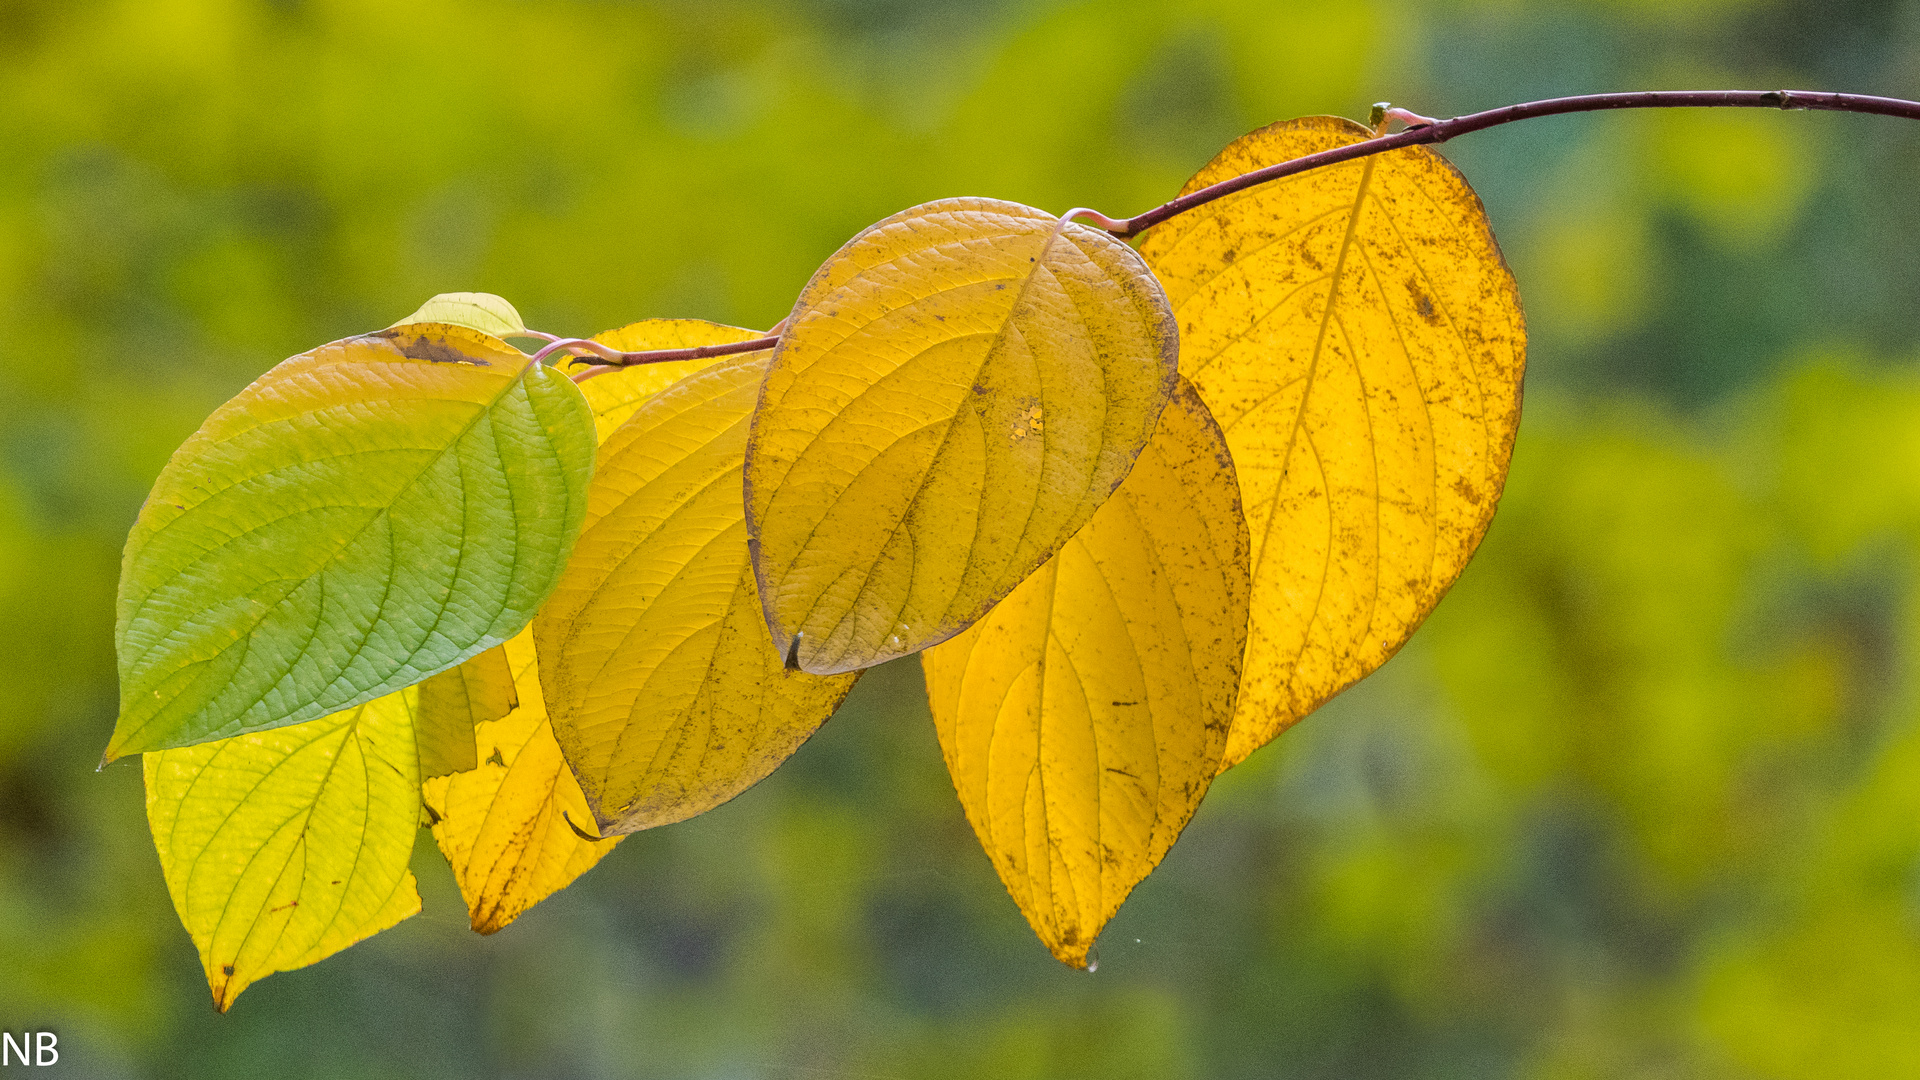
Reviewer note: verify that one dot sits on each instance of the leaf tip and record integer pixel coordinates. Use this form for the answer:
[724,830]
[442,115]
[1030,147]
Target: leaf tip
[224,990]
[1079,957]
[119,746]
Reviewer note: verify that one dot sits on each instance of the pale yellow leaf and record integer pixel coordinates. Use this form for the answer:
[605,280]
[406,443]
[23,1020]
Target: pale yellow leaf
[501,825]
[958,389]
[282,847]
[1359,338]
[667,693]
[480,311]
[1083,718]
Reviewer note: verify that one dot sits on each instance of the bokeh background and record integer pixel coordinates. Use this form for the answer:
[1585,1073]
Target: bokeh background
[1641,800]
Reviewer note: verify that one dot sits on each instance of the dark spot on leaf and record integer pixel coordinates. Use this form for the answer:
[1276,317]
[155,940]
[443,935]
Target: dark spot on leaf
[418,347]
[494,758]
[226,969]
[1126,703]
[1422,303]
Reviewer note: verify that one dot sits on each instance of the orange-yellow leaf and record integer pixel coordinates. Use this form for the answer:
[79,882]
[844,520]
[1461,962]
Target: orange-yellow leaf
[282,847]
[1085,716]
[1359,338]
[666,690]
[501,825]
[455,700]
[958,389]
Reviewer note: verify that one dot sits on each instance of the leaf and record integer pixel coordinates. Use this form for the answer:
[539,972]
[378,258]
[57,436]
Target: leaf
[453,702]
[361,517]
[480,311]
[283,847]
[666,691]
[1084,717]
[1359,338]
[614,395]
[958,389]
[501,825]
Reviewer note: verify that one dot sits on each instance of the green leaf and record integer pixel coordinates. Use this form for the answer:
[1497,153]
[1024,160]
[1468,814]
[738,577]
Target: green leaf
[480,311]
[281,848]
[361,517]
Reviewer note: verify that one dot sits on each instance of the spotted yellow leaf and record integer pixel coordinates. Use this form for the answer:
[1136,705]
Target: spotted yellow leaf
[956,392]
[504,825]
[667,693]
[1084,717]
[283,847]
[1359,338]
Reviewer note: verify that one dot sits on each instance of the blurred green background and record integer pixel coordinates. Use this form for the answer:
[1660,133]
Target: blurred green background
[1642,799]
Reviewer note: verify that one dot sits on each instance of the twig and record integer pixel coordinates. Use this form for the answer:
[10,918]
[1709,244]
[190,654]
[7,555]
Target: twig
[1441,131]
[1422,131]
[607,357]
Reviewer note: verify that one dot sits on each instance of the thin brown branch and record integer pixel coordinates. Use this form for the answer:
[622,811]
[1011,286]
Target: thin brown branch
[1443,130]
[699,352]
[584,351]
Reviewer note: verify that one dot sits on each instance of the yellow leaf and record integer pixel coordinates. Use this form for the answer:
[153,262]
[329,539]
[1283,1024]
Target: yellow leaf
[480,311]
[1085,716]
[282,847]
[614,395]
[957,391]
[501,825]
[452,702]
[1359,338]
[666,690]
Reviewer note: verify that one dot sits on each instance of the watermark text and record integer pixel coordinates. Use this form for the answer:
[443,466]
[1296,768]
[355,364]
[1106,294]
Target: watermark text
[31,1048]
